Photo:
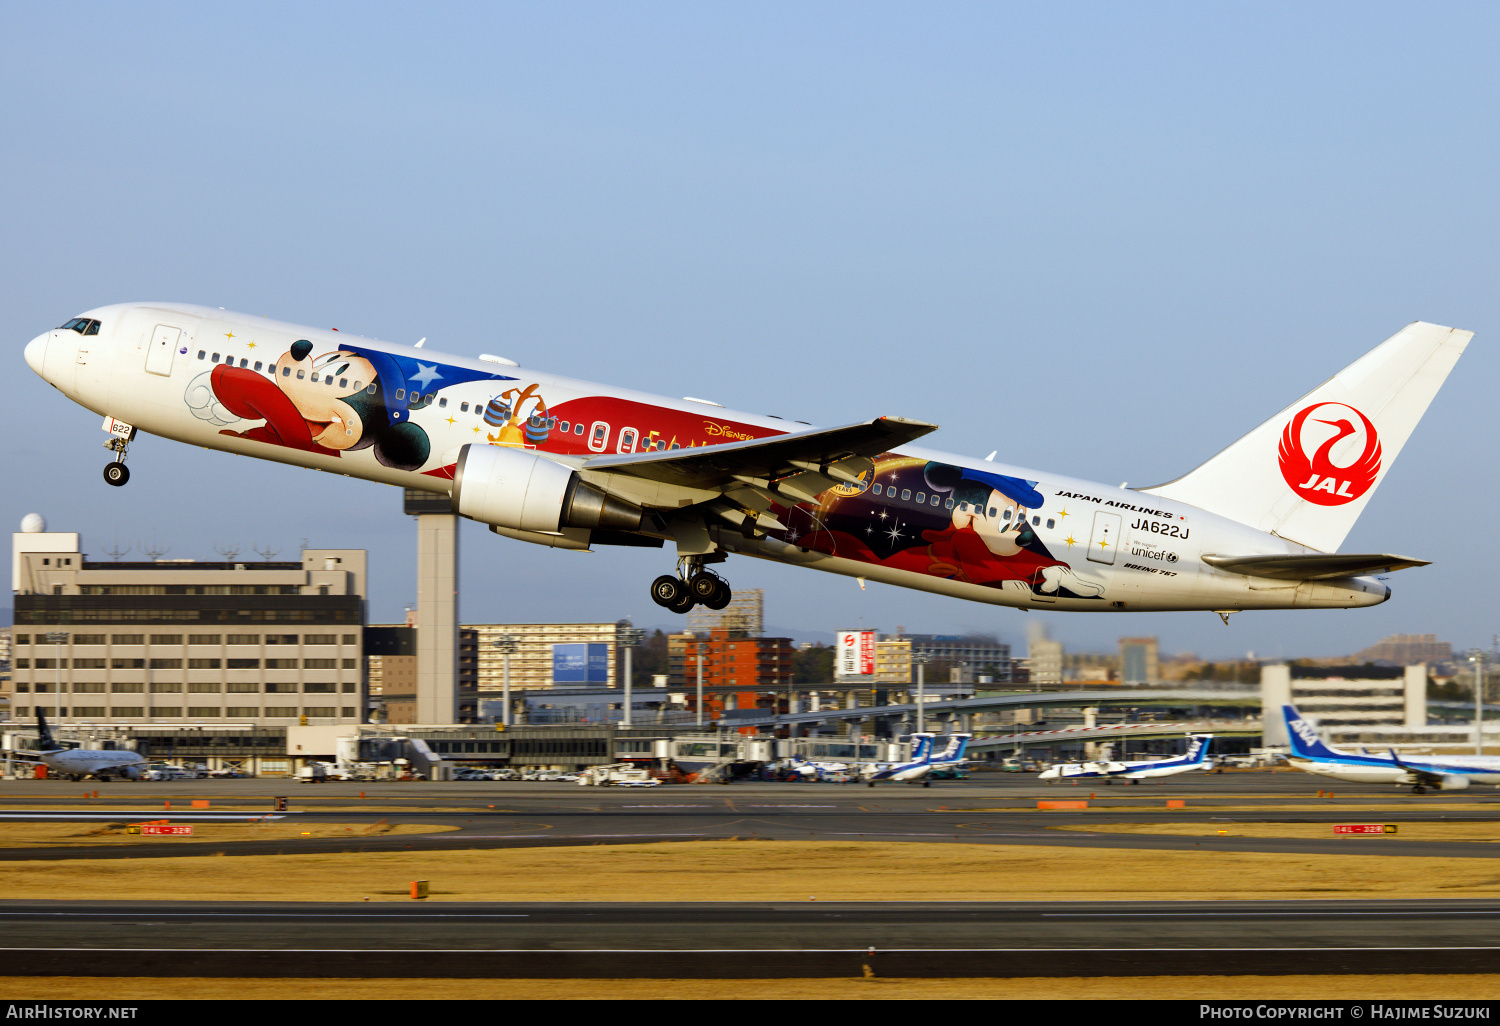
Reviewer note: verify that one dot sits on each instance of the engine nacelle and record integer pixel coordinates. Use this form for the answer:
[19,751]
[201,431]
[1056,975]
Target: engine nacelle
[522,491]
[1454,782]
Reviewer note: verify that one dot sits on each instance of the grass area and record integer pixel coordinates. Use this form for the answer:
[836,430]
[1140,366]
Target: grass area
[1180,988]
[759,871]
[1405,831]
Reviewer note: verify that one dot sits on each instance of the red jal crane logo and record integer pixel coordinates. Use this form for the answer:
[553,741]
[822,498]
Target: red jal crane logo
[1319,479]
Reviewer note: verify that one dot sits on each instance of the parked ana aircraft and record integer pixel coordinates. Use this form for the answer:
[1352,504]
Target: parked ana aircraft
[914,768]
[952,757]
[569,464]
[77,763]
[1445,772]
[1135,771]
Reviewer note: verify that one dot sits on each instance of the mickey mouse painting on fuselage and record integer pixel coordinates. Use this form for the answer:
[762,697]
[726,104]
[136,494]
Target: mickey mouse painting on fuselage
[344,400]
[956,523]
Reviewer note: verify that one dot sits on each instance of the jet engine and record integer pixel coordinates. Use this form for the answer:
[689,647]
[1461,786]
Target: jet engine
[521,491]
[1454,782]
[130,773]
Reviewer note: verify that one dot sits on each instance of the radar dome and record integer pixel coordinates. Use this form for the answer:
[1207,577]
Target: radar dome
[33,523]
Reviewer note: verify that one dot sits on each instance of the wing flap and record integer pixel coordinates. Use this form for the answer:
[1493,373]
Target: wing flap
[1315,566]
[771,458]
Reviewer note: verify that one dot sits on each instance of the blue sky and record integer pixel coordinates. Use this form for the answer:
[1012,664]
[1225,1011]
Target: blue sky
[1104,239]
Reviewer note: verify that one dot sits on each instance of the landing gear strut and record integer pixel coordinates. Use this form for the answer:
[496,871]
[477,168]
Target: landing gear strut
[116,473]
[692,585]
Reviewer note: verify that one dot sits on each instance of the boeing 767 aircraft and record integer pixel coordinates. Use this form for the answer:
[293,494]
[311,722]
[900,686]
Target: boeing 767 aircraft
[569,464]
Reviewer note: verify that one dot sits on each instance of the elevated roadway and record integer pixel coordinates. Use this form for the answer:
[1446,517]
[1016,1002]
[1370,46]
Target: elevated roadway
[990,703]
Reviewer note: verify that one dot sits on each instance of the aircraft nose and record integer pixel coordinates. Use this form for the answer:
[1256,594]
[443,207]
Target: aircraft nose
[36,352]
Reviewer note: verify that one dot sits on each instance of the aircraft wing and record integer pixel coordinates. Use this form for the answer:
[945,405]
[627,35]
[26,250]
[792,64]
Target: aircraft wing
[1314,566]
[796,453]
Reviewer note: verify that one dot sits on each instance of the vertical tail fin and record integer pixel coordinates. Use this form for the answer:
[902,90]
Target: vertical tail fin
[44,735]
[923,751]
[1198,748]
[1306,744]
[1307,473]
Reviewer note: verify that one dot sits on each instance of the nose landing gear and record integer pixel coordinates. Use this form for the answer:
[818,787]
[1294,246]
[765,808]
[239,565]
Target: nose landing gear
[116,473]
[691,586]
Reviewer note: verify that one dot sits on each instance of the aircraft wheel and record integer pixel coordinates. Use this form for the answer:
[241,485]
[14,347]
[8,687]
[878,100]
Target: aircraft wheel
[704,586]
[720,597]
[667,590]
[116,473]
[1419,789]
[683,604]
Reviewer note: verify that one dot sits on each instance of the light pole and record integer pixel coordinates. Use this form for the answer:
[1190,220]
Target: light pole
[506,643]
[628,637]
[1476,657]
[921,659]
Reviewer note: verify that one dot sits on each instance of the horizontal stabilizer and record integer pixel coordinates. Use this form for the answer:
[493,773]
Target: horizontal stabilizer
[1313,566]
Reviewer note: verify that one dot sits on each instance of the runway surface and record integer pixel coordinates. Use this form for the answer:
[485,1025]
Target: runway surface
[744,939]
[735,939]
[989,809]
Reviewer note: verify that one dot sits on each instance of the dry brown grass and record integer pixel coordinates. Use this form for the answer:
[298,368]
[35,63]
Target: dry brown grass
[1181,988]
[759,871]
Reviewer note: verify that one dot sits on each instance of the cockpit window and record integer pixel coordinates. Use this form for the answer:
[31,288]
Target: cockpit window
[82,325]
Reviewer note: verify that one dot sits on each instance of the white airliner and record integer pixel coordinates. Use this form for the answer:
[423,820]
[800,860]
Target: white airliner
[1135,771]
[924,759]
[914,768]
[569,464]
[1444,772]
[77,763]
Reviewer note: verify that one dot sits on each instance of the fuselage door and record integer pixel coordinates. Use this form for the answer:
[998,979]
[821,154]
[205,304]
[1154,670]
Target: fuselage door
[163,346]
[1105,537]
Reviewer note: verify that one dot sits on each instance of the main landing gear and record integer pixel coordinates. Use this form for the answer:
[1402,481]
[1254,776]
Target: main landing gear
[692,585]
[116,473]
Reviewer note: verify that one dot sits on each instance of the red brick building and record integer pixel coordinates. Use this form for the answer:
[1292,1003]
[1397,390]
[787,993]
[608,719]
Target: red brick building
[755,671]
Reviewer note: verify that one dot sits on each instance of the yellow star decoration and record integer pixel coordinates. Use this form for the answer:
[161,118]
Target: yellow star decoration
[476,430]
[450,421]
[250,344]
[1104,543]
[1071,541]
[1063,514]
[229,334]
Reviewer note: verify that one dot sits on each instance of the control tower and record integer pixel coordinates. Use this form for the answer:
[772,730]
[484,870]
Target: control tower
[437,606]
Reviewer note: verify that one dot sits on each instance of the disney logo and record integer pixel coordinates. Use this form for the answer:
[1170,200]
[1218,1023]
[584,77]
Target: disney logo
[716,430]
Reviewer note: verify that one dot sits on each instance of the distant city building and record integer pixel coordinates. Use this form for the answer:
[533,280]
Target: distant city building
[169,641]
[531,664]
[1138,661]
[744,616]
[1044,657]
[1090,666]
[1405,649]
[972,656]
[893,661]
[751,665]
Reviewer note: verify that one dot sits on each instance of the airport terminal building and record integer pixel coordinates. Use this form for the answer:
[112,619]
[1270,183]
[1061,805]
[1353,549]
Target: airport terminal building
[173,641]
